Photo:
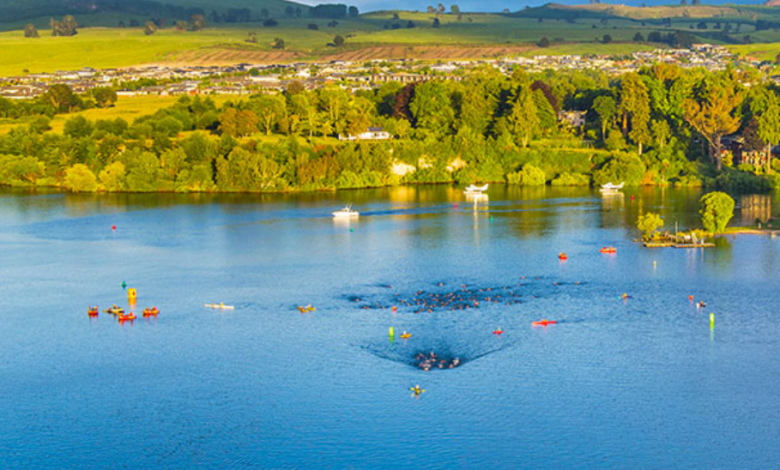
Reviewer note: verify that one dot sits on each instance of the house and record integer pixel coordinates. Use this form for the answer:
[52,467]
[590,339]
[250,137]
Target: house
[373,133]
[573,118]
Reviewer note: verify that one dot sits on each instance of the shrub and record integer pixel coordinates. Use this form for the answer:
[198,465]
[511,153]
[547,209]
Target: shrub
[622,167]
[649,223]
[717,209]
[528,176]
[571,179]
[79,178]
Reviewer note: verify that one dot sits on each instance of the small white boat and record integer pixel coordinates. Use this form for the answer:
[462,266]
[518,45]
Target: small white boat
[472,189]
[612,187]
[346,213]
[219,306]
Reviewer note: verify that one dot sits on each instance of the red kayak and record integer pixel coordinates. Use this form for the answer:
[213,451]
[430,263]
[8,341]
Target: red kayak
[611,249]
[544,322]
[563,256]
[498,332]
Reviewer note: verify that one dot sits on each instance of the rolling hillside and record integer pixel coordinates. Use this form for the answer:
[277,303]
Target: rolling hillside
[108,12]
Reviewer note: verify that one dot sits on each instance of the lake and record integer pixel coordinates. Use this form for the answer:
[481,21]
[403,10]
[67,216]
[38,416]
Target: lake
[636,382]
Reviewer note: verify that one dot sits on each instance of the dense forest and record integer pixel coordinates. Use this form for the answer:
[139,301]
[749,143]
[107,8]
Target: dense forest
[662,125]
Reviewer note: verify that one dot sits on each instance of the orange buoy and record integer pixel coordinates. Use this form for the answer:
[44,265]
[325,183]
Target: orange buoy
[563,256]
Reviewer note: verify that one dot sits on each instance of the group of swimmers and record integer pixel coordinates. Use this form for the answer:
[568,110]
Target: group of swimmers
[428,361]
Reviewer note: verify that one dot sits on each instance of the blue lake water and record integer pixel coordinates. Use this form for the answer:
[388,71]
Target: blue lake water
[642,382]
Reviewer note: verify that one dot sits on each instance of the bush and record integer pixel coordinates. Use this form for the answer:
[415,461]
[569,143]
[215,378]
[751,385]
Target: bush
[528,176]
[649,223]
[79,178]
[571,179]
[717,209]
[622,167]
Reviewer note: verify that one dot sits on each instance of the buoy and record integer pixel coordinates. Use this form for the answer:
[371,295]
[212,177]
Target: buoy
[690,297]
[455,206]
[491,218]
[392,332]
[395,308]
[124,284]
[113,227]
[632,197]
[132,296]
[712,320]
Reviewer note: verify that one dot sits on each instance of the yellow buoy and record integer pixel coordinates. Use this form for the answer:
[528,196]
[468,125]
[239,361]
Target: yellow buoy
[712,320]
[132,296]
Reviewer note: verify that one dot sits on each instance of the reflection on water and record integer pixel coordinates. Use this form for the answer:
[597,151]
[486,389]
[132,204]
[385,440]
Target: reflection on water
[264,386]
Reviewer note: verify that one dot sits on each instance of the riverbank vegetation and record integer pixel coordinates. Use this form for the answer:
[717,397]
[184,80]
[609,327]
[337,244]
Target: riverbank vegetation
[660,126]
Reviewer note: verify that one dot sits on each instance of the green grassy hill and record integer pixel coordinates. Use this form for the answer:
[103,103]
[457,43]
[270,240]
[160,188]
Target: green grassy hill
[108,12]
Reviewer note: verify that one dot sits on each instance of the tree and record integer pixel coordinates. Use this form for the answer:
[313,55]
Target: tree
[313,27]
[181,25]
[79,178]
[436,23]
[112,178]
[269,109]
[198,22]
[606,39]
[717,209]
[432,109]
[639,38]
[713,118]
[544,42]
[251,37]
[635,103]
[769,126]
[606,109]
[649,223]
[523,120]
[455,9]
[238,123]
[278,43]
[61,97]
[150,28]
[353,12]
[30,31]
[338,41]
[104,97]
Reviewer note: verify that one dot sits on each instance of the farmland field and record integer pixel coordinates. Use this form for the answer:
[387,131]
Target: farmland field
[127,108]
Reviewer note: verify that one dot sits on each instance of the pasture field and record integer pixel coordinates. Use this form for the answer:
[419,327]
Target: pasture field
[127,108]
[380,35]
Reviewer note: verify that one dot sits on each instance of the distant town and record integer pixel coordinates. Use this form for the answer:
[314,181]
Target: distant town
[245,79]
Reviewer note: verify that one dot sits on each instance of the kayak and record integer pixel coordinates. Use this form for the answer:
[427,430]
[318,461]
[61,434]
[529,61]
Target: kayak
[611,249]
[563,256]
[498,332]
[92,313]
[114,311]
[544,322]
[406,336]
[151,312]
[219,306]
[128,317]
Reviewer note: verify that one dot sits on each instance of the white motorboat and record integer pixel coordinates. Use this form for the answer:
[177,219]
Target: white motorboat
[612,187]
[474,190]
[346,213]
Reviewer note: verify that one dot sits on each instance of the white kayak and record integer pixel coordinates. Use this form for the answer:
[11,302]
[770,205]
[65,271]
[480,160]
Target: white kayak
[219,306]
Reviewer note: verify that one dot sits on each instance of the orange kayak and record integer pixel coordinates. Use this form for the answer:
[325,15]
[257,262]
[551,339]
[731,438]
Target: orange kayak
[611,249]
[563,256]
[544,322]
[128,317]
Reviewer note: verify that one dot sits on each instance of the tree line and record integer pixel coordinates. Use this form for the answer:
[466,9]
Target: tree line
[662,125]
